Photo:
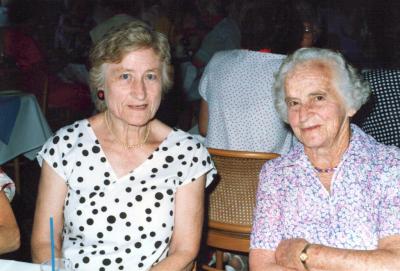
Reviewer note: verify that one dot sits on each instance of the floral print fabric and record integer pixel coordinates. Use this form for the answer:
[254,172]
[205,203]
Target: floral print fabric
[362,206]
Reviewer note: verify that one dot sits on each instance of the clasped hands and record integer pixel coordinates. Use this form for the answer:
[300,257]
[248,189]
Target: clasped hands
[287,254]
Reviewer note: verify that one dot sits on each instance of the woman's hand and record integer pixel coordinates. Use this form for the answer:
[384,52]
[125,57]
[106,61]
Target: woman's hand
[384,258]
[288,253]
[264,260]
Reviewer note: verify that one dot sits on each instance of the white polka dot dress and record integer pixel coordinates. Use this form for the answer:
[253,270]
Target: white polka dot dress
[121,223]
[381,117]
[237,86]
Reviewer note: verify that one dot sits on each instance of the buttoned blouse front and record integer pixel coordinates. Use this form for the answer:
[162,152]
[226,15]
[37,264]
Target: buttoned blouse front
[124,223]
[362,206]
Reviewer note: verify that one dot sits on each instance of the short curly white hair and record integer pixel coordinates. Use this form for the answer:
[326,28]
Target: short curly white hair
[351,87]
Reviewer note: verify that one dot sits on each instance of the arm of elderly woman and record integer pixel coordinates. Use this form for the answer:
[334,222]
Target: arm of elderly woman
[385,257]
[185,241]
[50,202]
[9,232]
[264,260]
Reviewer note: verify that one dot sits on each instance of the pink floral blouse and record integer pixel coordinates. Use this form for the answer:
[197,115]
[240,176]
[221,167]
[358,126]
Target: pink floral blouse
[362,207]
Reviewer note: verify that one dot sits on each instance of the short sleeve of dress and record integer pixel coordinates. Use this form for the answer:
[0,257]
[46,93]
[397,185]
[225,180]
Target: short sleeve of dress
[7,185]
[54,152]
[195,161]
[266,232]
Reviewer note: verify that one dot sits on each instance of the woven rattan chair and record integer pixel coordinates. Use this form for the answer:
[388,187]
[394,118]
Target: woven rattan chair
[231,202]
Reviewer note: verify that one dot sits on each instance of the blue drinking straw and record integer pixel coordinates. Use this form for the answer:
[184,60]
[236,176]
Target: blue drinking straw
[53,264]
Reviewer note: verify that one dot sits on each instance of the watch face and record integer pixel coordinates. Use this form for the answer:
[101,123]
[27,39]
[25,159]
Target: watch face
[303,257]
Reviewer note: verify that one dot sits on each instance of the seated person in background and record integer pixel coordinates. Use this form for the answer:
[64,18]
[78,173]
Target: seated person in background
[236,110]
[29,58]
[72,38]
[125,190]
[224,35]
[333,202]
[380,117]
[9,231]
[109,14]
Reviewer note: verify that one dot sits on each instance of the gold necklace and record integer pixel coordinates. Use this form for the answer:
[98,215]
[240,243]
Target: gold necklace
[126,146]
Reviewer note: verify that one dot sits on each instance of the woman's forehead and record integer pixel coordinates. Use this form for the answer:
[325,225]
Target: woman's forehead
[138,59]
[310,77]
[320,66]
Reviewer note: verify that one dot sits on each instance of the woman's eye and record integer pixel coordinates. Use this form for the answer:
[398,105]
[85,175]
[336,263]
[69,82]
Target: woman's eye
[125,76]
[292,103]
[319,98]
[151,76]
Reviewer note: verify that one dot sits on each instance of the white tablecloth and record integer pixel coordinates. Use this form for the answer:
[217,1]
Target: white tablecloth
[8,265]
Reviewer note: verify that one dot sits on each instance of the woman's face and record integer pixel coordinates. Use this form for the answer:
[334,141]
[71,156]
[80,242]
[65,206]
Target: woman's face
[316,112]
[133,87]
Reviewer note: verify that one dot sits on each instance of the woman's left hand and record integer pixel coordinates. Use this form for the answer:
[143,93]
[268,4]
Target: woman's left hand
[287,253]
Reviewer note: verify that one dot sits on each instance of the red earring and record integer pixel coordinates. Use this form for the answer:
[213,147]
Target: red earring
[100,94]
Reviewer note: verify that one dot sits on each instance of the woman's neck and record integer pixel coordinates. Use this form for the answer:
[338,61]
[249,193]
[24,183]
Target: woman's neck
[122,133]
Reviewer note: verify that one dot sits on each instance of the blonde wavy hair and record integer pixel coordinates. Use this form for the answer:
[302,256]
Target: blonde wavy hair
[118,42]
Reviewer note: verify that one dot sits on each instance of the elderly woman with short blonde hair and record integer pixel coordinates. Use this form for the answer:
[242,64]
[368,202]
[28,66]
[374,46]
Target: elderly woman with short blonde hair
[332,202]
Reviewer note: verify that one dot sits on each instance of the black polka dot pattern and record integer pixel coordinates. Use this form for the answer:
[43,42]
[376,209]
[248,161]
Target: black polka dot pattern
[380,116]
[120,223]
[237,86]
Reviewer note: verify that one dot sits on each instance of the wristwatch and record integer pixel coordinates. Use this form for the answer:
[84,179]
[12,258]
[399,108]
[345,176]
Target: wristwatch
[304,256]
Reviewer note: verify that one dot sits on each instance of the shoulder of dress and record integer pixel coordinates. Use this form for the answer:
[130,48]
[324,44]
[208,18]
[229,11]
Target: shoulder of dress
[179,136]
[72,131]
[370,151]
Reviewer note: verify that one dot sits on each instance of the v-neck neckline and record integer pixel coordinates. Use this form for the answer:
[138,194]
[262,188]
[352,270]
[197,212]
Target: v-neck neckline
[109,165]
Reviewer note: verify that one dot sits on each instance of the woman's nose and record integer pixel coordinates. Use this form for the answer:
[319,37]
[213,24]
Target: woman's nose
[138,90]
[304,112]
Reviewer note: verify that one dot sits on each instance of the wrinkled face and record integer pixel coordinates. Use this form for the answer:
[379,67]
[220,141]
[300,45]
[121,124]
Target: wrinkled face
[133,87]
[316,111]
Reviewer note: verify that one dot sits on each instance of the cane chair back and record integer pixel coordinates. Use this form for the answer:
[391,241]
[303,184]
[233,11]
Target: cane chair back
[232,201]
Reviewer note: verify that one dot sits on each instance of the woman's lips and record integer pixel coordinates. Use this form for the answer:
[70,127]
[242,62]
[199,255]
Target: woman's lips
[138,107]
[311,128]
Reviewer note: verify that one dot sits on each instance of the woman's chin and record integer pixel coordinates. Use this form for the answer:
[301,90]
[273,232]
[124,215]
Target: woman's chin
[313,143]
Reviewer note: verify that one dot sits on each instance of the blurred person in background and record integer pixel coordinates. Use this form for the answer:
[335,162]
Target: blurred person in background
[236,110]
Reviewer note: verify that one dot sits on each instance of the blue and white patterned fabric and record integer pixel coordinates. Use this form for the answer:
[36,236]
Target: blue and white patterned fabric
[237,86]
[380,117]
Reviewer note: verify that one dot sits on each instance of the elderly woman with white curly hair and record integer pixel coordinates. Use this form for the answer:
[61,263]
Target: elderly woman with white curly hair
[332,202]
